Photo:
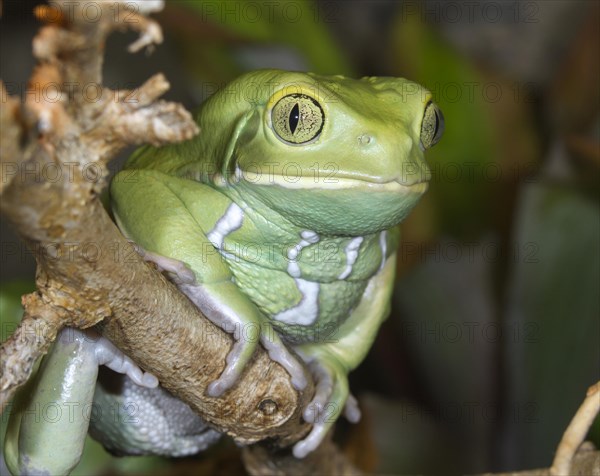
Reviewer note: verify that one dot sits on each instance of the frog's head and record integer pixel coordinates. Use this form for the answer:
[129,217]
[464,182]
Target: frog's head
[332,154]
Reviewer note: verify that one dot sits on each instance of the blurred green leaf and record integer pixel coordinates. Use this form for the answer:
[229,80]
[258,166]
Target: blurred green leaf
[553,301]
[446,317]
[467,151]
[298,24]
[405,435]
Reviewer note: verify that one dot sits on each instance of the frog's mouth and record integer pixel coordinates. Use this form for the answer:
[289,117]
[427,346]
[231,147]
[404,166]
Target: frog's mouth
[341,206]
[338,182]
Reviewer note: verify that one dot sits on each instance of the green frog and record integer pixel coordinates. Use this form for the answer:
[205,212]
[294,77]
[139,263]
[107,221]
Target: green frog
[280,222]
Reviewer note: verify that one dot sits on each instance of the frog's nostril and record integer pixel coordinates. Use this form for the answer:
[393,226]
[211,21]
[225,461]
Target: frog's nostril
[365,139]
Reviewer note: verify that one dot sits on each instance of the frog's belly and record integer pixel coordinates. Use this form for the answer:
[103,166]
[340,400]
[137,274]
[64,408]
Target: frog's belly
[300,310]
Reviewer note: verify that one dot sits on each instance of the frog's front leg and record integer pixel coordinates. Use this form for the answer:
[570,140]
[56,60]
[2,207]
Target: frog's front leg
[330,363]
[50,419]
[193,257]
[224,305]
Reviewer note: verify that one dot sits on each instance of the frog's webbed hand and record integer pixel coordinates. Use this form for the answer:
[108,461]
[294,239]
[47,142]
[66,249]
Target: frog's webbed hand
[224,305]
[236,316]
[331,398]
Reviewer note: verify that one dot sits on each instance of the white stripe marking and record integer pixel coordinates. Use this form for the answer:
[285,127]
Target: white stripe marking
[351,256]
[228,223]
[307,310]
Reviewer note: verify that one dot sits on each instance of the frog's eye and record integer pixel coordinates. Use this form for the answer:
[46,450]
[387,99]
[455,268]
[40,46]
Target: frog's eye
[297,118]
[432,126]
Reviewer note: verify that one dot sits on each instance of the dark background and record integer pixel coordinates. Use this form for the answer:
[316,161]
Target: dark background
[494,334]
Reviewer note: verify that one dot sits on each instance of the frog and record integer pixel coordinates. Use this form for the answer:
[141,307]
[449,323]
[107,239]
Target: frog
[282,216]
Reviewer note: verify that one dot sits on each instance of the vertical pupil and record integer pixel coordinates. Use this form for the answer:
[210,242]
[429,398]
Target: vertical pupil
[294,117]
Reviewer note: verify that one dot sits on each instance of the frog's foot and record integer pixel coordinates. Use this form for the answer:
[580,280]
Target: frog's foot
[107,354]
[221,312]
[185,280]
[279,353]
[177,271]
[331,396]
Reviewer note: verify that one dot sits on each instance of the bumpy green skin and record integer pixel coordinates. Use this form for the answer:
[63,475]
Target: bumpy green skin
[293,241]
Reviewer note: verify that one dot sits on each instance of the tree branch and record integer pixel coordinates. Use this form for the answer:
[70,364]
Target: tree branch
[54,155]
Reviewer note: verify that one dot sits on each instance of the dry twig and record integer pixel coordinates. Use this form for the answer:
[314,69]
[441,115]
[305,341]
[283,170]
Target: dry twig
[576,432]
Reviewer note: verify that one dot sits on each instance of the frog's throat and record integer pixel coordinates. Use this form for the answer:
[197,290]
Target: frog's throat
[296,182]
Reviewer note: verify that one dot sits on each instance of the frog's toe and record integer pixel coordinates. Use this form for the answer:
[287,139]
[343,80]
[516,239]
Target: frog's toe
[279,353]
[322,422]
[331,396]
[351,410]
[149,380]
[323,391]
[122,364]
[236,361]
[107,354]
[217,388]
[311,442]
